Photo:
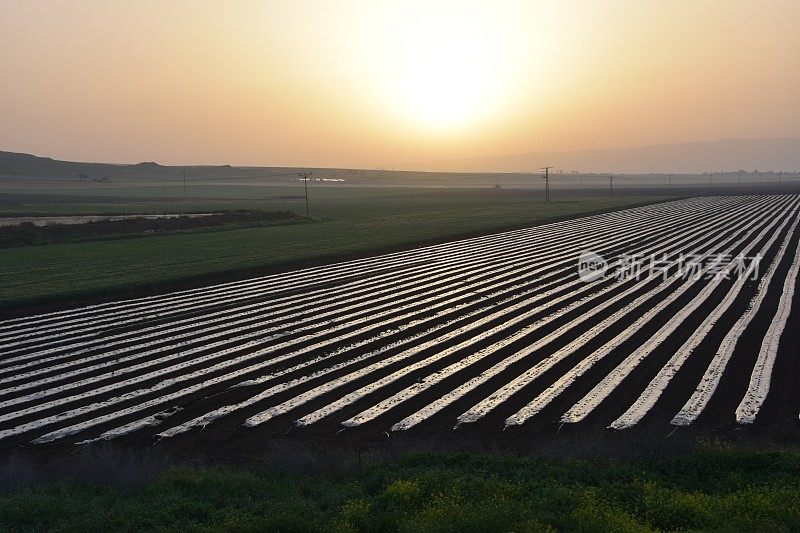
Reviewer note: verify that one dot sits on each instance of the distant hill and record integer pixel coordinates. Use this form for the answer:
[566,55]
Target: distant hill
[694,157]
[30,166]
[22,165]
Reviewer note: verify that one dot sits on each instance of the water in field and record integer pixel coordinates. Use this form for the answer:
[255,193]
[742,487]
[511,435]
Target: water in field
[83,219]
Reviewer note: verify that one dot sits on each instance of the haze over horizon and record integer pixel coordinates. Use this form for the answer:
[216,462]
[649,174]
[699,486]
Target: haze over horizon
[361,84]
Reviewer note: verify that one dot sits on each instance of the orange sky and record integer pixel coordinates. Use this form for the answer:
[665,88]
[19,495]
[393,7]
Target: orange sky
[368,83]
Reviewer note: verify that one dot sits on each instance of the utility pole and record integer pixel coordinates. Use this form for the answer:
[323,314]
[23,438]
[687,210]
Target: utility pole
[184,183]
[546,179]
[670,180]
[740,177]
[780,177]
[305,176]
[611,185]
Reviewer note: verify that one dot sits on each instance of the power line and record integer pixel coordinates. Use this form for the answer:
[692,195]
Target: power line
[546,179]
[305,176]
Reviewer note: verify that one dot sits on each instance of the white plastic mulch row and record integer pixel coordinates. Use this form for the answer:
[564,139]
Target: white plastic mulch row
[563,382]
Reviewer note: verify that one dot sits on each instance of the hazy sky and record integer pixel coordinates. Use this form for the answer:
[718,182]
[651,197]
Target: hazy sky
[368,83]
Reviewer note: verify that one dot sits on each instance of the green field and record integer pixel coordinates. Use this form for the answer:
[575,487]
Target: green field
[706,490]
[346,223]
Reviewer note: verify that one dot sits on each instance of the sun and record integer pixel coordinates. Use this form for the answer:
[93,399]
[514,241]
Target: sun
[447,68]
[442,84]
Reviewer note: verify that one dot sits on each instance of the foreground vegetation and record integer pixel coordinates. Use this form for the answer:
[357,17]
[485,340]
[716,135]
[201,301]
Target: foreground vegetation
[711,489]
[344,226]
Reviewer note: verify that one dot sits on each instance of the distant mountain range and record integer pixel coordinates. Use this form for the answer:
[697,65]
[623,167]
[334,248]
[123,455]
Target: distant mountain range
[778,154]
